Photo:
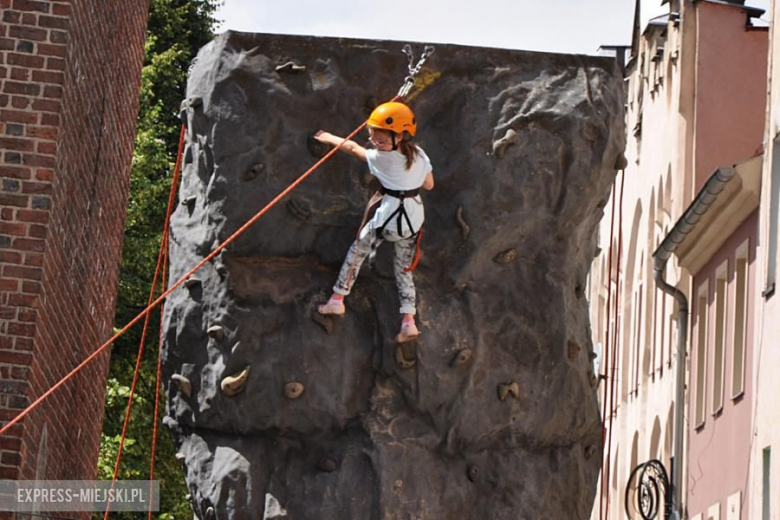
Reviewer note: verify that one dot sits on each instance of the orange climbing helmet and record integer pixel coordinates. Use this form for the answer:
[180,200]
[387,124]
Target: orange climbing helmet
[395,117]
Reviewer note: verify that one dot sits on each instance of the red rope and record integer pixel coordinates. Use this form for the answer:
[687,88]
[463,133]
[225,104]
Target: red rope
[160,261]
[615,324]
[607,382]
[176,284]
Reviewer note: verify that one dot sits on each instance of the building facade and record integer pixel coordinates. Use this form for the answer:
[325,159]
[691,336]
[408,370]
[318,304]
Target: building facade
[69,87]
[696,92]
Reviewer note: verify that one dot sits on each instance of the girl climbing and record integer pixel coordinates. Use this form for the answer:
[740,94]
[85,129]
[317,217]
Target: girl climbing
[402,169]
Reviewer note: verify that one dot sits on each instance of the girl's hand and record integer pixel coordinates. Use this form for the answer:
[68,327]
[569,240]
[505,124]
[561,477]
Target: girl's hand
[323,136]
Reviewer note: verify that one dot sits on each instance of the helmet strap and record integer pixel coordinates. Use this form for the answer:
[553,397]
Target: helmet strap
[395,144]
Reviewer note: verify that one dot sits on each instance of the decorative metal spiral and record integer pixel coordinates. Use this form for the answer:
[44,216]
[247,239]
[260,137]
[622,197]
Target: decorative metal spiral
[648,491]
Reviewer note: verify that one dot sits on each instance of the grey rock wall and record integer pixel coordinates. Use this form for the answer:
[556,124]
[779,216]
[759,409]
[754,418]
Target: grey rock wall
[492,414]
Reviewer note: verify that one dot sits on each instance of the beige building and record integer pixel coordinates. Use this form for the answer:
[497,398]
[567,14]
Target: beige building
[696,91]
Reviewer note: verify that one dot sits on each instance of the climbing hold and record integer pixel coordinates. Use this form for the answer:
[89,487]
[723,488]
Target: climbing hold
[327,465]
[215,332]
[300,209]
[405,356]
[191,282]
[500,146]
[179,456]
[254,172]
[190,201]
[291,66]
[465,229]
[505,257]
[473,473]
[594,380]
[324,321]
[579,291]
[508,389]
[232,385]
[183,111]
[462,357]
[185,387]
[195,101]
[293,390]
[316,148]
[589,451]
[597,252]
[573,349]
[602,204]
[210,514]
[621,162]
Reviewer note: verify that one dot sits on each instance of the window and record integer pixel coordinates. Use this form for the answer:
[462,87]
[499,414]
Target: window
[713,513]
[701,353]
[720,338]
[734,506]
[740,321]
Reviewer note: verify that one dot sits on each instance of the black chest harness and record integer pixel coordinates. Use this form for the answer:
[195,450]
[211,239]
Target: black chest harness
[399,214]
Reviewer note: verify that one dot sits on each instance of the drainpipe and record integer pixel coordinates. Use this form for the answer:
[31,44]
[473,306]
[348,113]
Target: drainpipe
[704,199]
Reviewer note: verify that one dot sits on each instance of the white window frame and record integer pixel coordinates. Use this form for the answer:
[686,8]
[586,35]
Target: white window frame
[741,307]
[720,315]
[702,336]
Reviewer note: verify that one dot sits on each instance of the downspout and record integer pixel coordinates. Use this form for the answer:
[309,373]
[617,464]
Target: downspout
[712,188]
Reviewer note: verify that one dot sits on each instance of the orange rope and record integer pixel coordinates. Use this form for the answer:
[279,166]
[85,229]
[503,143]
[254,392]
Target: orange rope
[161,255]
[176,284]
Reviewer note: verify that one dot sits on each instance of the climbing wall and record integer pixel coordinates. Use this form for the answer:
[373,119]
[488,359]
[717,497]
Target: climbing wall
[492,414]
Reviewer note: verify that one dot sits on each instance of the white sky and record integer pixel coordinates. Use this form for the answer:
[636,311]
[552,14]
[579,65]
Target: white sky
[571,26]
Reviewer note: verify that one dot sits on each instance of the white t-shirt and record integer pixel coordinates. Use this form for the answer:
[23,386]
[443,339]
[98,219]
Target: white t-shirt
[390,169]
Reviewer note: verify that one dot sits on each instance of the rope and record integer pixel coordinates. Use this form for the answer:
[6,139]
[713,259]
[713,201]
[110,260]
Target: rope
[160,261]
[180,281]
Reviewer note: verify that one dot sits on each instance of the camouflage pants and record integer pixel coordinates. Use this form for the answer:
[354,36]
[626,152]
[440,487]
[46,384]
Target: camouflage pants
[362,247]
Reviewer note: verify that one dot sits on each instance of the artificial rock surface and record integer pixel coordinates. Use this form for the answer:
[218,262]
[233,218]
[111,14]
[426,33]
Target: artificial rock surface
[492,414]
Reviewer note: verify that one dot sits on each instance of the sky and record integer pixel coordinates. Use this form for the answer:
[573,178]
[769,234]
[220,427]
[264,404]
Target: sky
[569,26]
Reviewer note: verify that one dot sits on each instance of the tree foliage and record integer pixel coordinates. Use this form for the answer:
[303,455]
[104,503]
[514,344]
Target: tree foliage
[177,30]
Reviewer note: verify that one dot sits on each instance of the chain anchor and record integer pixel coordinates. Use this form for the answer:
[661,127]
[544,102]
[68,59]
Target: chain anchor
[414,69]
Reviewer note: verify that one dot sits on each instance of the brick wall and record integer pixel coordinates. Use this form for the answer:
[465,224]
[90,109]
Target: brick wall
[69,82]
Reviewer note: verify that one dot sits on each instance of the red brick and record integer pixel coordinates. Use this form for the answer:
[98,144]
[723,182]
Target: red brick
[29,244]
[9,458]
[3,72]
[27,273]
[22,373]
[53,22]
[22,145]
[17,358]
[49,119]
[30,19]
[27,316]
[15,172]
[45,49]
[12,17]
[36,187]
[10,444]
[55,63]
[47,148]
[46,105]
[6,214]
[31,287]
[13,228]
[19,74]
[46,76]
[9,473]
[21,300]
[31,5]
[27,33]
[10,257]
[9,284]
[43,132]
[25,60]
[25,89]
[23,102]
[21,329]
[52,91]
[35,259]
[44,174]
[46,161]
[7,342]
[4,98]
[20,201]
[31,215]
[61,9]
[16,116]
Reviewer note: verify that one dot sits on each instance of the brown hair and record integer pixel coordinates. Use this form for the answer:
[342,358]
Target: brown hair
[409,150]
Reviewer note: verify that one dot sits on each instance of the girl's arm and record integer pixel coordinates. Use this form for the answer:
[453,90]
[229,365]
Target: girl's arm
[428,183]
[350,147]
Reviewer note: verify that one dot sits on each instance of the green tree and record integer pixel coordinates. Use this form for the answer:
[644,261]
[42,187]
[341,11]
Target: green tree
[177,30]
